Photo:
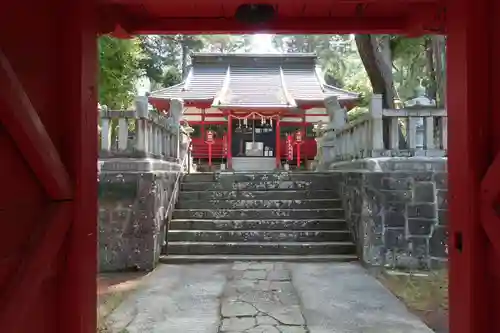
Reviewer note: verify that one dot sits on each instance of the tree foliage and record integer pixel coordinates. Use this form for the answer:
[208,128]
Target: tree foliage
[395,66]
[120,67]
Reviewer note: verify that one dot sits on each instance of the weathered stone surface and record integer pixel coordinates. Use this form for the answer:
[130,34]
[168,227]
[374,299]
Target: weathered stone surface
[237,324]
[257,214]
[395,214]
[264,329]
[237,309]
[418,226]
[292,329]
[261,248]
[421,210]
[260,299]
[260,204]
[424,192]
[290,315]
[278,275]
[132,214]
[266,320]
[333,298]
[255,275]
[257,195]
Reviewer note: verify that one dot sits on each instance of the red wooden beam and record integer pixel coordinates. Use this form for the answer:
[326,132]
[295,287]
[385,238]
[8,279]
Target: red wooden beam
[25,126]
[310,25]
[39,260]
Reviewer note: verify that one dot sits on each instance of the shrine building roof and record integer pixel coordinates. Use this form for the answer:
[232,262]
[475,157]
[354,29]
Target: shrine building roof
[254,80]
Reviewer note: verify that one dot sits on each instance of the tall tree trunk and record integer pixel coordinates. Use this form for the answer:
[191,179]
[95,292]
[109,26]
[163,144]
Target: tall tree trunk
[377,60]
[431,69]
[379,72]
[439,51]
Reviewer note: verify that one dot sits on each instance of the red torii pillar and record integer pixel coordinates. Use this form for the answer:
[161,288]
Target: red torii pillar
[473,70]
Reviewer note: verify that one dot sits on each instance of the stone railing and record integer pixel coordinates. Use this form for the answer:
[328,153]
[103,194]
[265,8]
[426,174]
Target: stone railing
[141,133]
[143,156]
[392,133]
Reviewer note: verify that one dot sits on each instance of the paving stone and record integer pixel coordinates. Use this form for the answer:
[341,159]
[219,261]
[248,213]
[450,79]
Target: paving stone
[243,285]
[263,285]
[263,329]
[290,315]
[292,329]
[235,275]
[237,324]
[278,275]
[261,265]
[255,275]
[237,309]
[241,266]
[282,286]
[288,298]
[266,320]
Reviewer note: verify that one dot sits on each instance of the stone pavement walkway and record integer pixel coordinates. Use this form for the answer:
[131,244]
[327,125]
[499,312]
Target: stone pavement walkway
[263,297]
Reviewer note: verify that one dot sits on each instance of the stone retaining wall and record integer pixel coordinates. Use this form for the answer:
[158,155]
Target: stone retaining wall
[398,218]
[132,212]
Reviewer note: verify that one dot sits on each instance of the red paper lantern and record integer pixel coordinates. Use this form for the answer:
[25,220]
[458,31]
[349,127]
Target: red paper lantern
[210,136]
[225,144]
[289,148]
[298,137]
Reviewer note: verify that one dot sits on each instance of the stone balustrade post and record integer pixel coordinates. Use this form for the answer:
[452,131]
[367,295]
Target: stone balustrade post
[142,130]
[105,129]
[176,109]
[377,130]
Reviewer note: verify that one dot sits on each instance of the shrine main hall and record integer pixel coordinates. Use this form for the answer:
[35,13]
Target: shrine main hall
[250,105]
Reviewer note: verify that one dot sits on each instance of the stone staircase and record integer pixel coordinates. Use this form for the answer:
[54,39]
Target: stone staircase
[258,216]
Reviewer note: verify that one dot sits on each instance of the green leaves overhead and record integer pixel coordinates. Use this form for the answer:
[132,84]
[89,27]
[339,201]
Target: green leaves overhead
[120,67]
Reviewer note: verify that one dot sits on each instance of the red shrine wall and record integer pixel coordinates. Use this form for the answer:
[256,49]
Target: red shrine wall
[204,119]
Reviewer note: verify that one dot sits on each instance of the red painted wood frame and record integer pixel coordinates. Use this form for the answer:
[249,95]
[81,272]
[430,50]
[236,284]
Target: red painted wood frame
[53,285]
[48,142]
[474,165]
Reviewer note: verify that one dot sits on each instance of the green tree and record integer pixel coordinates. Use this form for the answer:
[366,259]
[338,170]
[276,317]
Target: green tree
[167,57]
[119,69]
[226,43]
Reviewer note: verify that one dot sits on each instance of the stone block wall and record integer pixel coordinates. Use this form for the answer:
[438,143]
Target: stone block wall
[398,218]
[133,212]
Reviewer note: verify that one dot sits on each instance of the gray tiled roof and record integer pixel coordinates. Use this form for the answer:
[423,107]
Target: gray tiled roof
[254,86]
[257,80]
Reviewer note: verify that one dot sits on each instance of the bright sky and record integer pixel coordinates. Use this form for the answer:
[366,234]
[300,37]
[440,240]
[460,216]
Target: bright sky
[263,43]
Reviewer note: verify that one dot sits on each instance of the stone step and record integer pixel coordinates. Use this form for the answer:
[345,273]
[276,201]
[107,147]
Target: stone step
[258,236]
[258,195]
[260,248]
[259,176]
[187,259]
[264,204]
[269,224]
[223,185]
[254,214]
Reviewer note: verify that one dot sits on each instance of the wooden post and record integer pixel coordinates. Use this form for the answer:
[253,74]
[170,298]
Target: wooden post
[277,146]
[376,111]
[229,140]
